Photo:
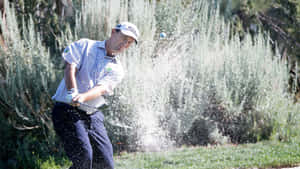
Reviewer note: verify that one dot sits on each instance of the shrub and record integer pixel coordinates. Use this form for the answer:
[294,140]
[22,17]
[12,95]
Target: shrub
[201,70]
[28,80]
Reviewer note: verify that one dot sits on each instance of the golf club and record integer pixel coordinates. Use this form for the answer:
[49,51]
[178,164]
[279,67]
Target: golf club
[89,107]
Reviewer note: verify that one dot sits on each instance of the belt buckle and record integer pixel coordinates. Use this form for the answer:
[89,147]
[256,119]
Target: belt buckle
[89,112]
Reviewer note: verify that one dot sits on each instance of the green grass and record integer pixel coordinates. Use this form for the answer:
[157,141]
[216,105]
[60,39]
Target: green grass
[261,155]
[53,163]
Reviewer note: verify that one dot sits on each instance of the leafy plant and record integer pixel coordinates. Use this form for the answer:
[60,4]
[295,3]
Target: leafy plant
[28,82]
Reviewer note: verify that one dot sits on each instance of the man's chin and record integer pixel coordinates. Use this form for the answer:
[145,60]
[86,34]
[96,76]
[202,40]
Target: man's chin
[118,51]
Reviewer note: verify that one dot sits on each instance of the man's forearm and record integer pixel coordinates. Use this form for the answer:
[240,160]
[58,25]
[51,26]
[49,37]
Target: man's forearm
[94,93]
[70,80]
[90,94]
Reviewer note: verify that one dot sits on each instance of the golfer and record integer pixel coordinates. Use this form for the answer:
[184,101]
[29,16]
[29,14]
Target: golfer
[92,71]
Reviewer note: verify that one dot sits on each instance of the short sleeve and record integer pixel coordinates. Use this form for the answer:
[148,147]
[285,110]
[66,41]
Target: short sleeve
[73,53]
[112,77]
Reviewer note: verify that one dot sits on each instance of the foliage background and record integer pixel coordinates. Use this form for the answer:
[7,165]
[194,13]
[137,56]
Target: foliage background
[31,68]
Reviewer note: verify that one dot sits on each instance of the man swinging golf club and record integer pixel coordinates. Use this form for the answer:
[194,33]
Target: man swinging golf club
[92,70]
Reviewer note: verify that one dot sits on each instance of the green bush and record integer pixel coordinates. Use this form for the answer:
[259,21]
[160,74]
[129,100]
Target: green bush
[217,75]
[28,82]
[201,70]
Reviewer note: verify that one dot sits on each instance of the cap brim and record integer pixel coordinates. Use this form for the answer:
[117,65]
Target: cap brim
[130,34]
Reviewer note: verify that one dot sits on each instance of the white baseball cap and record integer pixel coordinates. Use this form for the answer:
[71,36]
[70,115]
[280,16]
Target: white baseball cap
[129,29]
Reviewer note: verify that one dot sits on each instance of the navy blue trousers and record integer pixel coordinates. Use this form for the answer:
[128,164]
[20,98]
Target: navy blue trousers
[84,137]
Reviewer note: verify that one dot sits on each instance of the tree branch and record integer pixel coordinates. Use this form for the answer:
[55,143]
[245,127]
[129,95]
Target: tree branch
[284,35]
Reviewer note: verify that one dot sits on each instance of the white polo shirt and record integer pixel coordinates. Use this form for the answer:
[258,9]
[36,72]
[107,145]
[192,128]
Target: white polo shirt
[93,68]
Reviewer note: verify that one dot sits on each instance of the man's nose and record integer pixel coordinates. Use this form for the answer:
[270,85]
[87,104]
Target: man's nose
[125,43]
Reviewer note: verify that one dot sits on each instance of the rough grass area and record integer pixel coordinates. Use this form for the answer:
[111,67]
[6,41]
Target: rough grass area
[259,155]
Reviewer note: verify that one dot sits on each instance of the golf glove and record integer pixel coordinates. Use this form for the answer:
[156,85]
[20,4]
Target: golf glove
[70,95]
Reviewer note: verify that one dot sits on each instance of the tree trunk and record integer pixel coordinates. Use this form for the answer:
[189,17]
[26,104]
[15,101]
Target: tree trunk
[65,8]
[2,43]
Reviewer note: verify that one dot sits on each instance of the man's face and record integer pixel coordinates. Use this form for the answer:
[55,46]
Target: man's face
[119,41]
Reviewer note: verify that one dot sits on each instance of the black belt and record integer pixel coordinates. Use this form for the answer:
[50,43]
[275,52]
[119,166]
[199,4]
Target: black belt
[104,106]
[70,107]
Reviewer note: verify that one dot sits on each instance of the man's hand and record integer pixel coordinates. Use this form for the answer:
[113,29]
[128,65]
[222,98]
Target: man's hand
[79,98]
[70,95]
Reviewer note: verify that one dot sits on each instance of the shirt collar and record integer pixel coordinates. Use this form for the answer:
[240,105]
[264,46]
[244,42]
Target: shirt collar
[101,44]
